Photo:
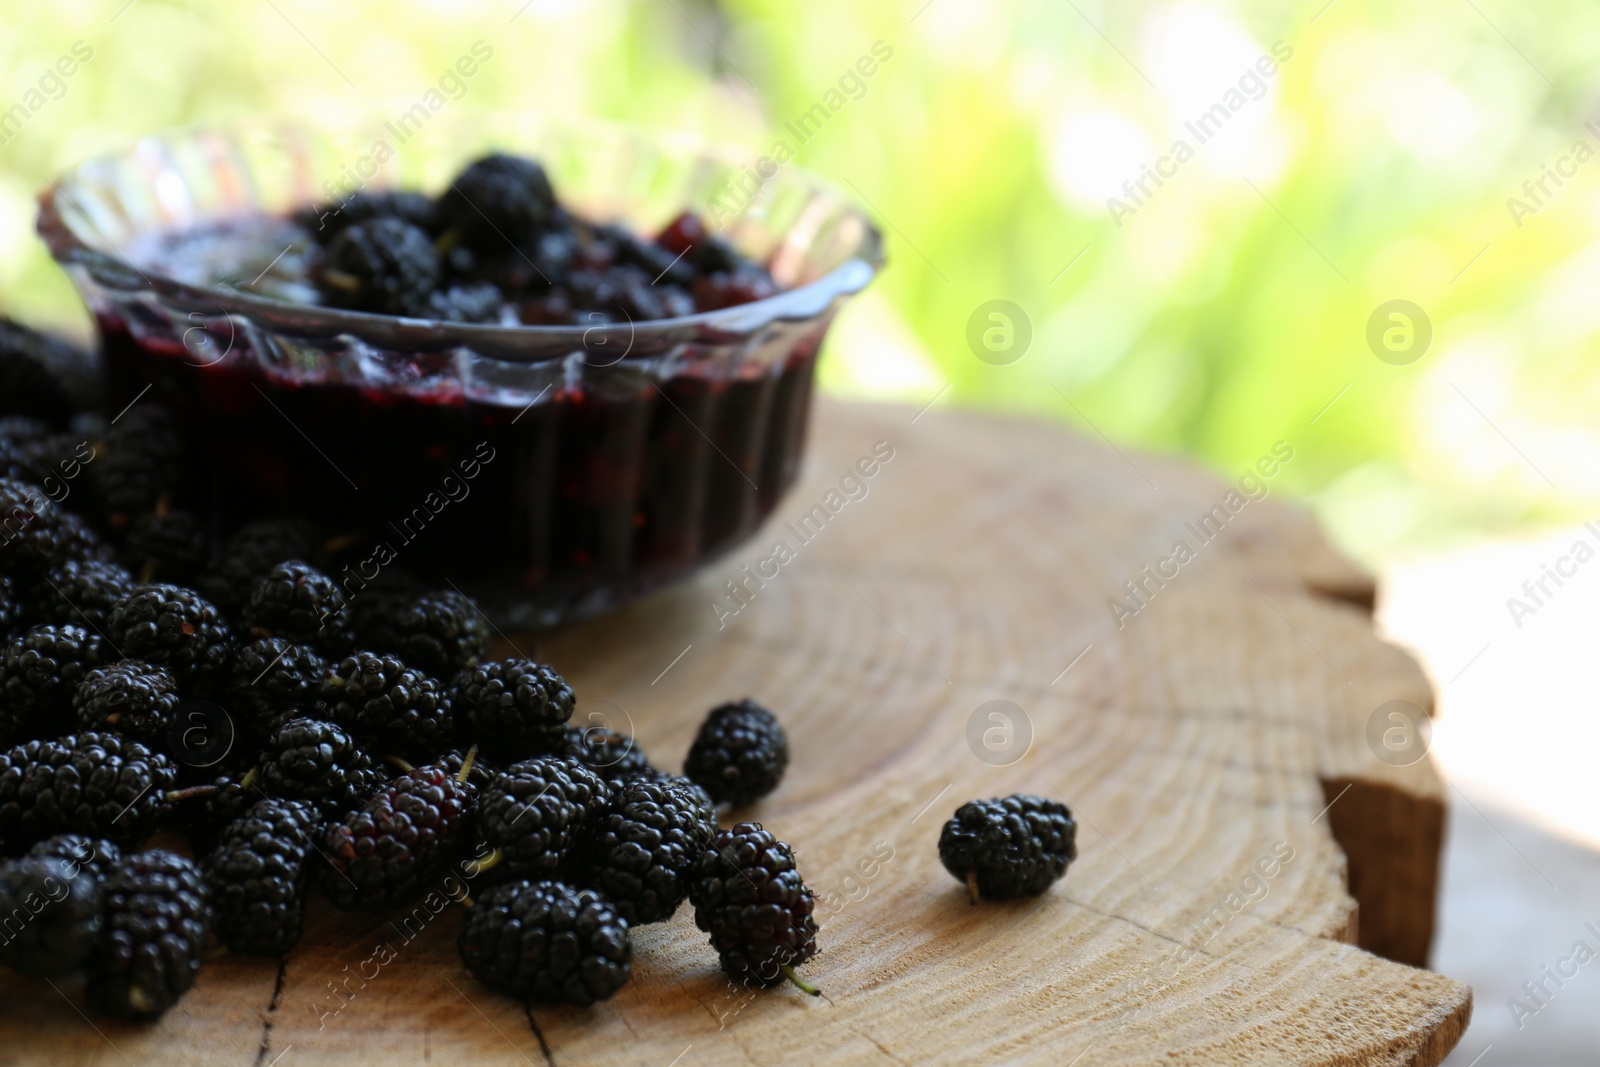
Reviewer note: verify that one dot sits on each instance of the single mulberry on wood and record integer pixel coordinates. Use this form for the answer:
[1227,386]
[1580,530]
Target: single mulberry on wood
[740,753]
[1009,847]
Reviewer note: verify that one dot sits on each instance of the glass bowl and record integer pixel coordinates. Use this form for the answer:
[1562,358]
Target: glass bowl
[553,472]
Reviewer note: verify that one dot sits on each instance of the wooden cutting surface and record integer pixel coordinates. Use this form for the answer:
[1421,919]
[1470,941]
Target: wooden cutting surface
[1217,745]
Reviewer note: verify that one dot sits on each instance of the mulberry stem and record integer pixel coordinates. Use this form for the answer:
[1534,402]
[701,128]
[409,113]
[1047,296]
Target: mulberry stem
[805,987]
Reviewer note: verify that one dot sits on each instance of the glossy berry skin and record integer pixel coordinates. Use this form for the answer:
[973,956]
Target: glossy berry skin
[396,709]
[514,707]
[39,670]
[12,609]
[272,677]
[173,627]
[547,943]
[310,759]
[96,855]
[384,265]
[297,602]
[749,896]
[612,755]
[82,593]
[33,532]
[52,911]
[641,851]
[89,783]
[1013,846]
[537,810]
[740,753]
[154,935]
[480,774]
[378,857]
[497,202]
[439,633]
[258,875]
[130,697]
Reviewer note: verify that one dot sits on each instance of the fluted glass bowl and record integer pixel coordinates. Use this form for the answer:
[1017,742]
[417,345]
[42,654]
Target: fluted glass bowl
[551,471]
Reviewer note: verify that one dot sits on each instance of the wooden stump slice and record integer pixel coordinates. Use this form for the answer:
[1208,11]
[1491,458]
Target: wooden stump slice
[1214,737]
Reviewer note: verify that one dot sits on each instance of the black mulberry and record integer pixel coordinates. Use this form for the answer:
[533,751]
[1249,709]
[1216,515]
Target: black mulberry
[378,857]
[51,911]
[514,707]
[748,895]
[38,673]
[642,851]
[309,759]
[384,265]
[547,943]
[173,627]
[1009,847]
[740,753]
[395,708]
[88,783]
[132,698]
[536,811]
[257,875]
[154,934]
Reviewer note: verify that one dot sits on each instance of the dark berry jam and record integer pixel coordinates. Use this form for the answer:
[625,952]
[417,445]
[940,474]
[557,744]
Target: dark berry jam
[559,496]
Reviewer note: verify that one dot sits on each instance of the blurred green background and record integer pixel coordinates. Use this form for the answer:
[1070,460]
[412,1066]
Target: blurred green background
[1216,314]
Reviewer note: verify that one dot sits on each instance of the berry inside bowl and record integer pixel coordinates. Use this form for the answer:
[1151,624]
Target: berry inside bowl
[553,470]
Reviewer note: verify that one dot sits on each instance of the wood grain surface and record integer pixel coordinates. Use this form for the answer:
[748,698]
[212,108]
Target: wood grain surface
[1215,745]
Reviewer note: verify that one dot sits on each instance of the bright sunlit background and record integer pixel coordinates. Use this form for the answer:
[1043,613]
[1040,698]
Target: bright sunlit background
[1214,313]
[1358,152]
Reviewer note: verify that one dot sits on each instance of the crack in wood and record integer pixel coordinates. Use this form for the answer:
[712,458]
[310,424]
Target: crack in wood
[272,1009]
[544,1046]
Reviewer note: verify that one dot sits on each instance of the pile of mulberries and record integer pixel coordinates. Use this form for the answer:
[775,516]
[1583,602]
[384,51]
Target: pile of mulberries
[290,733]
[497,247]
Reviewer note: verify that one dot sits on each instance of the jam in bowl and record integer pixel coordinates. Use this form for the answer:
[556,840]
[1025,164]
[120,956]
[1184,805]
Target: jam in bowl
[523,430]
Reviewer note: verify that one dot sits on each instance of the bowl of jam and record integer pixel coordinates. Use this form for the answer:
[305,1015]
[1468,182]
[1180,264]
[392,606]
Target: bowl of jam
[558,365]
